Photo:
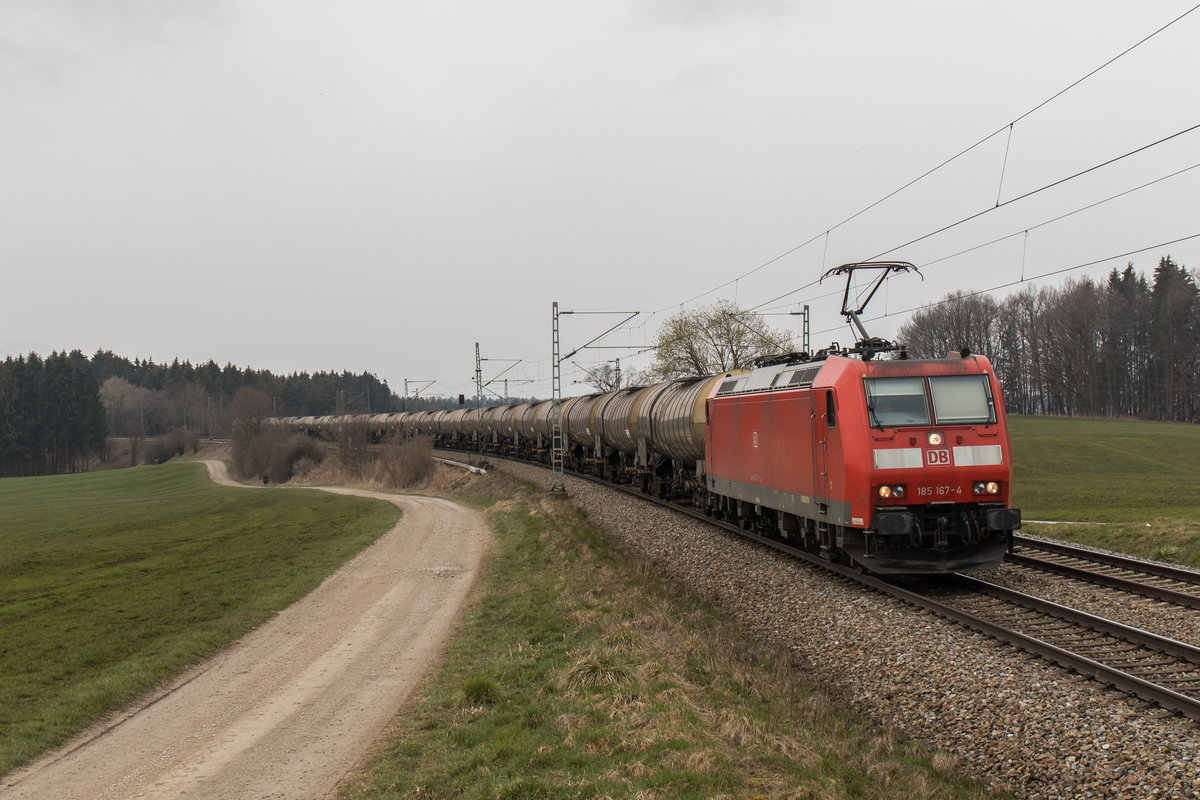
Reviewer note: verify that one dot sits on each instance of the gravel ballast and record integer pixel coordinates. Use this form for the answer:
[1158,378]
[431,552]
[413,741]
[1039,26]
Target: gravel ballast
[1015,721]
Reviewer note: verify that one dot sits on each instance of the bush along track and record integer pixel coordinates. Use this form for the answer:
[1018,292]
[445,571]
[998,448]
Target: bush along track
[579,673]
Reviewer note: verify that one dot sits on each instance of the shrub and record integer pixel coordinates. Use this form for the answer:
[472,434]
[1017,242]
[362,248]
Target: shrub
[160,451]
[408,463]
[290,451]
[354,440]
[252,454]
[303,467]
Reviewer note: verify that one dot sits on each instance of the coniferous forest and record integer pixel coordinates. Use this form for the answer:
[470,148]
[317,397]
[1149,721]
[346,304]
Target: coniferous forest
[51,420]
[56,413]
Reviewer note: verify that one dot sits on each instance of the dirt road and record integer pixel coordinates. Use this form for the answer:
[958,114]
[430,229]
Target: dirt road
[290,708]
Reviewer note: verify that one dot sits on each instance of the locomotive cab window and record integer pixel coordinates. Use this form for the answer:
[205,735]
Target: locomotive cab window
[962,400]
[894,402]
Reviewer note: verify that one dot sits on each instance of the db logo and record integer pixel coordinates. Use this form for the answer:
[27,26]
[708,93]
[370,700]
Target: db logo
[937,458]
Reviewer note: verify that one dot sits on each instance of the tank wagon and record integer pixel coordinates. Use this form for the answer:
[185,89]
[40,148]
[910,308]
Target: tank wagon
[898,466]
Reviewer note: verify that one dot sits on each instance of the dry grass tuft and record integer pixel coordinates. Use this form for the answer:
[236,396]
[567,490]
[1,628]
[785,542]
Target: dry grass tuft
[945,763]
[739,730]
[627,705]
[812,708]
[703,761]
[598,668]
[625,640]
[885,743]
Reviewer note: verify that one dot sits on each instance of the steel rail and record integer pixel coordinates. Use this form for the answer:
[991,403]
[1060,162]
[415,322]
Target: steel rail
[1131,684]
[1110,559]
[1128,633]
[1119,679]
[1112,581]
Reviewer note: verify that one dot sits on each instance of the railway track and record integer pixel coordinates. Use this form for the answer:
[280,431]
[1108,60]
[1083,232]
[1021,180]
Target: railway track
[1162,670]
[1174,585]
[1156,669]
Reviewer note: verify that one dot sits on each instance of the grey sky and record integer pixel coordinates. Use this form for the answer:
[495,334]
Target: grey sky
[378,185]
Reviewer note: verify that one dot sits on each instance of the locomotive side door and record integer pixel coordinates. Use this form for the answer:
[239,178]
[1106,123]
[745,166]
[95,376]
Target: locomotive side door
[824,416]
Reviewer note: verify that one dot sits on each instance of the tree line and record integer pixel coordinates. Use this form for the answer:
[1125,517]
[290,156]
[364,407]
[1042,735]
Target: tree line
[56,413]
[142,397]
[51,420]
[1124,347]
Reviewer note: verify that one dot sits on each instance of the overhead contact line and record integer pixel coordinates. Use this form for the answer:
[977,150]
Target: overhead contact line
[1009,126]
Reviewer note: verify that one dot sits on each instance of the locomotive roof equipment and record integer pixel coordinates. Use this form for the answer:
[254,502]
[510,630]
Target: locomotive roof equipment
[868,346]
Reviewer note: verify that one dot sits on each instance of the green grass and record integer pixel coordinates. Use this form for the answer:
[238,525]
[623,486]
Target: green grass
[1139,479]
[577,673]
[111,582]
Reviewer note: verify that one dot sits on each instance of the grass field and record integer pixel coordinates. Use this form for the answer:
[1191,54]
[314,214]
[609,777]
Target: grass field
[111,582]
[1140,479]
[578,674]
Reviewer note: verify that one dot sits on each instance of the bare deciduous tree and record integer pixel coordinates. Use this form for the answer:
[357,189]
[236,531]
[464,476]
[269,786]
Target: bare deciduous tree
[1123,347]
[714,339]
[606,377]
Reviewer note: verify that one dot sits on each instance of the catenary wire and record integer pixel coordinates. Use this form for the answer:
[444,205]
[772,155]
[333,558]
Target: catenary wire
[1059,182]
[999,204]
[1007,126]
[999,239]
[1028,279]
[1029,194]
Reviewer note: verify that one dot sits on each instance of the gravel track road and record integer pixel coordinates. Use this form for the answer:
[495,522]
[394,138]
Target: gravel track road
[288,710]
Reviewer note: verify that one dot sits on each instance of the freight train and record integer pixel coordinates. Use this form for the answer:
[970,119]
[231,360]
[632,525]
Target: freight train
[898,466]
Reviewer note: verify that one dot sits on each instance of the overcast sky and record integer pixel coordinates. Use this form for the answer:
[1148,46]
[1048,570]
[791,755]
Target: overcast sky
[370,185]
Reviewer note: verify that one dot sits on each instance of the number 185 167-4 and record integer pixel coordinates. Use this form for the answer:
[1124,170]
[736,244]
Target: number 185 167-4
[938,491]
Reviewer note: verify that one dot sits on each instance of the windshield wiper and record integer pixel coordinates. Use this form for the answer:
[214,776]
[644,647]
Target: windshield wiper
[875,423]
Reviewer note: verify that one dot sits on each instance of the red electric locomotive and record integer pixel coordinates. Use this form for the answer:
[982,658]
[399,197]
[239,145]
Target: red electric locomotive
[902,466]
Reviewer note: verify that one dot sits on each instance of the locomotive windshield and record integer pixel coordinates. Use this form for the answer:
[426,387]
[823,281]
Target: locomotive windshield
[893,402]
[962,399]
[957,400]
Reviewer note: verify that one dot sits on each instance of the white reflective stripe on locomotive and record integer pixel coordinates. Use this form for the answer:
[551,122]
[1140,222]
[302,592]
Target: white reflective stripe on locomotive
[899,458]
[911,457]
[978,455]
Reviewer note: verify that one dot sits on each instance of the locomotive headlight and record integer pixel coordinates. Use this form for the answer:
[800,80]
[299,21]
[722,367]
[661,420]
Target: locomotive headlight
[891,492]
[885,492]
[936,439]
[993,487]
[989,487]
[979,488]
